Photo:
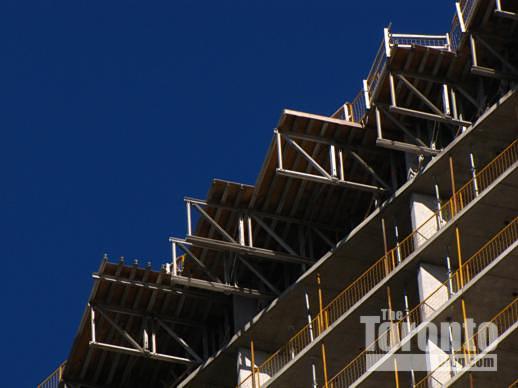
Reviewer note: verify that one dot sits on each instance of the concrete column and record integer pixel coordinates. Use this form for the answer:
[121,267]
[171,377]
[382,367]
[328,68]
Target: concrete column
[422,211]
[244,367]
[434,358]
[431,278]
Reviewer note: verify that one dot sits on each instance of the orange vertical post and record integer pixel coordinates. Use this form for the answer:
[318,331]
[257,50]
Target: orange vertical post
[252,351]
[320,306]
[467,352]
[459,256]
[321,328]
[392,335]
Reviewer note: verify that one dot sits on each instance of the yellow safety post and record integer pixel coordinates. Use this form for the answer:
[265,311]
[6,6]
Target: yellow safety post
[324,365]
[320,306]
[466,351]
[321,328]
[459,257]
[253,362]
[389,298]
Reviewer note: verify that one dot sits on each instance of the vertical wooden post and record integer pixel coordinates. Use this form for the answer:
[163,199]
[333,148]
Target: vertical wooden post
[320,307]
[321,328]
[279,149]
[463,304]
[252,351]
[175,264]
[324,365]
[459,257]
[92,324]
[392,335]
[189,220]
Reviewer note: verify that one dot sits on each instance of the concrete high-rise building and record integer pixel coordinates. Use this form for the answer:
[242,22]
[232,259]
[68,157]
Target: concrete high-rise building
[378,247]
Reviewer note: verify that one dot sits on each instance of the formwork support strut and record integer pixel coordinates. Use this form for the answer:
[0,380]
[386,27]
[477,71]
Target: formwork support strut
[136,348]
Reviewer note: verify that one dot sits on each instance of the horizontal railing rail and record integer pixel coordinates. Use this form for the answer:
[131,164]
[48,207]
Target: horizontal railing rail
[506,318]
[384,266]
[55,379]
[419,314]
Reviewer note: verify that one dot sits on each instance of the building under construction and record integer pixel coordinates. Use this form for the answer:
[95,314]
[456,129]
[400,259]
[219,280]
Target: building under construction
[401,205]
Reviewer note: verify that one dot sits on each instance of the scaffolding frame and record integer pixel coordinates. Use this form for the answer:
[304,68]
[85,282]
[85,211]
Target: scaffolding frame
[242,241]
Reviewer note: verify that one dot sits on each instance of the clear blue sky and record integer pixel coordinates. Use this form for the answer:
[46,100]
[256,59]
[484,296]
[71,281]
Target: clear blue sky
[112,111]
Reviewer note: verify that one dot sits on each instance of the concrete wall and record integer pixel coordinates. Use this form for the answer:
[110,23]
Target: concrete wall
[244,310]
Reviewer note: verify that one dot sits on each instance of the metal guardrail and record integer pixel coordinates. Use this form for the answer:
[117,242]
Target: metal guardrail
[467,10]
[390,40]
[383,267]
[55,379]
[356,110]
[341,113]
[450,42]
[359,107]
[455,33]
[506,318]
[418,315]
[359,104]
[433,41]
[378,66]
